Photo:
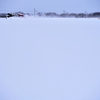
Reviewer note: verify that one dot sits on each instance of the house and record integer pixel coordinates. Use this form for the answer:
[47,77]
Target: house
[20,15]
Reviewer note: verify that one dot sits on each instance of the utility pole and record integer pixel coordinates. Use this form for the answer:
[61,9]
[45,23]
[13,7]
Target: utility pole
[85,14]
[64,11]
[35,11]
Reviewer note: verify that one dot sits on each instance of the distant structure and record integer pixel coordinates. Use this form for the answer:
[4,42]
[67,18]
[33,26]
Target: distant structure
[9,15]
[35,12]
[6,15]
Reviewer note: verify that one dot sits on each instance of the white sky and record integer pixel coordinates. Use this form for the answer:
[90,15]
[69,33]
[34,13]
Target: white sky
[50,5]
[49,59]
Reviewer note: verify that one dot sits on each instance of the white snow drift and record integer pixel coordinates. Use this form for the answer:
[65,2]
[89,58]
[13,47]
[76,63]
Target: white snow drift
[49,59]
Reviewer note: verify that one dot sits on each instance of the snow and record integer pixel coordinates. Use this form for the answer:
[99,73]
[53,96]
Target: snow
[49,59]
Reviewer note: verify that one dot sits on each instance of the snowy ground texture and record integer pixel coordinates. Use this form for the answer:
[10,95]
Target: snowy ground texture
[49,59]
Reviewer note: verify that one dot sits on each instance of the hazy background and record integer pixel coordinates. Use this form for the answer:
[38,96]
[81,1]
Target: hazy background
[50,5]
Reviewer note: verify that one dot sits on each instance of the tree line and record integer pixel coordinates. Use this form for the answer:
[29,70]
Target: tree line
[70,15]
[52,14]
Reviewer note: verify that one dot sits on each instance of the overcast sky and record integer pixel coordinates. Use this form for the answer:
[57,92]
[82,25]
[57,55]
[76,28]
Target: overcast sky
[50,5]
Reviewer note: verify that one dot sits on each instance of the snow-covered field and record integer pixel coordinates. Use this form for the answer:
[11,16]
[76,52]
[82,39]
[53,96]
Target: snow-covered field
[49,59]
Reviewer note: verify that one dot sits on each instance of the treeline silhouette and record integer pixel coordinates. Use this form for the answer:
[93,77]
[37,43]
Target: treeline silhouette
[52,14]
[70,15]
